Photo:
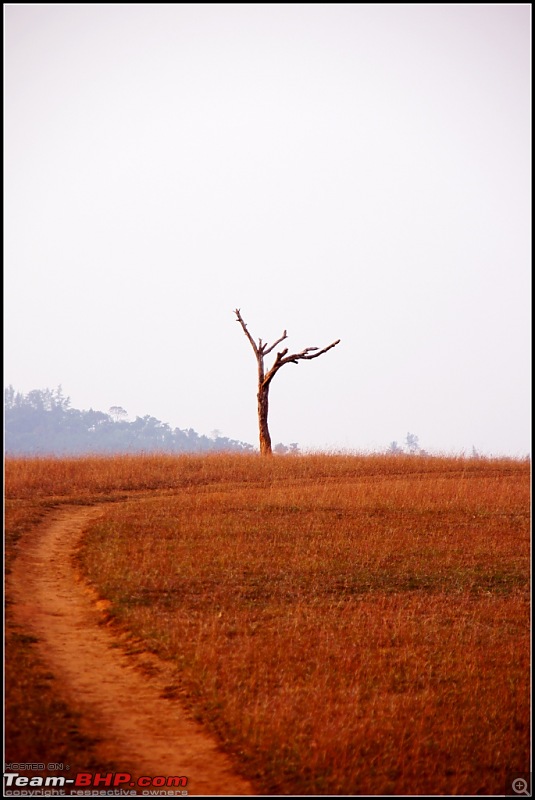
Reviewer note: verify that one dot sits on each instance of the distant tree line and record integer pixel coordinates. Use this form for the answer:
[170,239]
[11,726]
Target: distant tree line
[42,422]
[412,444]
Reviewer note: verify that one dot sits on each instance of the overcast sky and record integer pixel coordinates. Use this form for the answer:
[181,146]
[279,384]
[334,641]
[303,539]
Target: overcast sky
[348,171]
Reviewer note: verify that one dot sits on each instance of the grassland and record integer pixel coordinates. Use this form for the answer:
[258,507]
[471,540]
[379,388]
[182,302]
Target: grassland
[343,624]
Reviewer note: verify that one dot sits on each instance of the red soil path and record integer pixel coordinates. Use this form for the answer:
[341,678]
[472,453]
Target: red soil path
[119,695]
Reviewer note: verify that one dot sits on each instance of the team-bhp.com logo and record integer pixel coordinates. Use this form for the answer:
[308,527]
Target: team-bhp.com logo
[90,784]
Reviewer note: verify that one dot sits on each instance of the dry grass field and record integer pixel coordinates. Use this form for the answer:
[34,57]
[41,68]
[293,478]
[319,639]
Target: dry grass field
[342,624]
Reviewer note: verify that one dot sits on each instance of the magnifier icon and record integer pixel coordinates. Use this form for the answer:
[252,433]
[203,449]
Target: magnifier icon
[520,786]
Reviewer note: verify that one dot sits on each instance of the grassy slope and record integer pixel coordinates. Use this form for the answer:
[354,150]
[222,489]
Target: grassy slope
[344,624]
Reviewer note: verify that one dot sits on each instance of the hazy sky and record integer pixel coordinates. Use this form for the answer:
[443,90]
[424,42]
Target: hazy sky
[348,171]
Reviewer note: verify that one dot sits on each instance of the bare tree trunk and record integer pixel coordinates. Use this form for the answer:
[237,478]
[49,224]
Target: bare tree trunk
[263,407]
[264,379]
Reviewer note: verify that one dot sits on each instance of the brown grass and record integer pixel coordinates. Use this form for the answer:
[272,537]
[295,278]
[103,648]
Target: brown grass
[345,625]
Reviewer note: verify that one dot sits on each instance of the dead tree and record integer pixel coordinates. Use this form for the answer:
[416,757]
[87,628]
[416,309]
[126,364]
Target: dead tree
[265,378]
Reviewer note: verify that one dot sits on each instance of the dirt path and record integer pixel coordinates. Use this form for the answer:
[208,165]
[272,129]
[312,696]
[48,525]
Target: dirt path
[118,695]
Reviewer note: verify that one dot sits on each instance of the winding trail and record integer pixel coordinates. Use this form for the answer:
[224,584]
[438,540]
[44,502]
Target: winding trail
[119,696]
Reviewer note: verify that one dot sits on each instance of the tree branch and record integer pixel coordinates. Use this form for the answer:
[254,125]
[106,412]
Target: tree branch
[305,355]
[273,346]
[246,332]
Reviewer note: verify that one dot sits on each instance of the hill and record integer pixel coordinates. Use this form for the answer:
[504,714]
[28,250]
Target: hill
[42,422]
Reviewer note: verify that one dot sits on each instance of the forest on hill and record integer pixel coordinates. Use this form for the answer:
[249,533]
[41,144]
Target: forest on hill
[42,422]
